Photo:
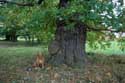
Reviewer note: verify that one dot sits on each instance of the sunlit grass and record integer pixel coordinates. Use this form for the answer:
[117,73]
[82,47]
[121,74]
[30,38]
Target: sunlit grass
[22,54]
[114,49]
[22,57]
[19,56]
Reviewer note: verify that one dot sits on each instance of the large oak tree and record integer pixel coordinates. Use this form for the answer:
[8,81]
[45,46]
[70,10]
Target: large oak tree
[73,19]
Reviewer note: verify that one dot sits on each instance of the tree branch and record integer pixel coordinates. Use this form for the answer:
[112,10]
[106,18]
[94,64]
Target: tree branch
[111,30]
[63,3]
[19,4]
[40,1]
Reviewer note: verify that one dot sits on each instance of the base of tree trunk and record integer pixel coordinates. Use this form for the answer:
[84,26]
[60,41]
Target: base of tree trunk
[69,44]
[68,49]
[71,54]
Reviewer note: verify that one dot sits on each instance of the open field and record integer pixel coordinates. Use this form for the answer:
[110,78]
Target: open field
[113,49]
[16,61]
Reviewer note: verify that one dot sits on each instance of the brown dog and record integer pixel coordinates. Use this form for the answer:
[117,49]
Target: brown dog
[40,61]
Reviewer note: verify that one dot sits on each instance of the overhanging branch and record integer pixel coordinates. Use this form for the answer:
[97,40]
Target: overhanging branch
[17,3]
[111,30]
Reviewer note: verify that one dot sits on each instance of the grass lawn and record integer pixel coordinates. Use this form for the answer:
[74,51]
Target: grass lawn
[13,55]
[114,49]
[16,59]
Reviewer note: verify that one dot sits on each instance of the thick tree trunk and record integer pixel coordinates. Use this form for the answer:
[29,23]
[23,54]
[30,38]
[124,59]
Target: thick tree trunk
[69,46]
[11,36]
[7,37]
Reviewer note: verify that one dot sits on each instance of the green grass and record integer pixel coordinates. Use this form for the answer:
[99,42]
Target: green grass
[114,49]
[14,60]
[19,55]
[22,56]
[17,59]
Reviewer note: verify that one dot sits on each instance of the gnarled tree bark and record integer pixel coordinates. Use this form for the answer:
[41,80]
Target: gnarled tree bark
[69,44]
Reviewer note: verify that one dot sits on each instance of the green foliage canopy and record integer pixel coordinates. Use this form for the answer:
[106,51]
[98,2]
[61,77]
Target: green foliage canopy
[103,17]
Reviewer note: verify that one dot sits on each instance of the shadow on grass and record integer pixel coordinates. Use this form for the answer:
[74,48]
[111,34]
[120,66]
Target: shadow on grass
[101,69]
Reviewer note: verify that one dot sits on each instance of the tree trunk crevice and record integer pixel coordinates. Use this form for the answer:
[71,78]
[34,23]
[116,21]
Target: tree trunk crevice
[68,47]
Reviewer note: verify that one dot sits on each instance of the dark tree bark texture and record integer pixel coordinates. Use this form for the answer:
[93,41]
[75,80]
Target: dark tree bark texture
[11,36]
[63,3]
[69,44]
